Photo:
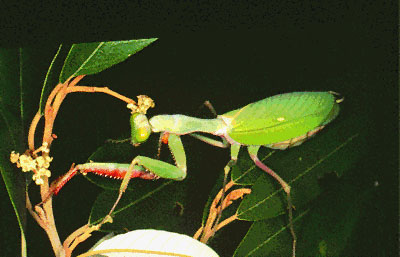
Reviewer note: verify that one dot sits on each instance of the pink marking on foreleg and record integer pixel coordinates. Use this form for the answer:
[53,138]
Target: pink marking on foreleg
[100,169]
[118,173]
[60,182]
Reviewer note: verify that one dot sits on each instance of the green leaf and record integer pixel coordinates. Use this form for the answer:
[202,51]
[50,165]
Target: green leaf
[91,58]
[136,208]
[330,224]
[334,150]
[51,78]
[268,238]
[11,131]
[322,230]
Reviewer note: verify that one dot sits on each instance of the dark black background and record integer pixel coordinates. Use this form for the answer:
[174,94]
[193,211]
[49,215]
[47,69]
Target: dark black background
[231,54]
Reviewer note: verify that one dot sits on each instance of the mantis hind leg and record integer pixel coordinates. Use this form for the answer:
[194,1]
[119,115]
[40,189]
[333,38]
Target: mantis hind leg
[253,150]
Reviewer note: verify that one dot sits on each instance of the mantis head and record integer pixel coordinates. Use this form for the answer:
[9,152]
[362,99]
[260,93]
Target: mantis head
[140,128]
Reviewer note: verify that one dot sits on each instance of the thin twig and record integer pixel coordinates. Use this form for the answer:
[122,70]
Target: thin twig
[75,234]
[53,94]
[75,81]
[212,224]
[105,90]
[198,233]
[50,222]
[78,236]
[33,213]
[234,195]
[209,234]
[226,221]
[32,129]
[213,209]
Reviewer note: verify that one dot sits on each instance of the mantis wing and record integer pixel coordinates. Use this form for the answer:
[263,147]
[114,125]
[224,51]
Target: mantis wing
[281,117]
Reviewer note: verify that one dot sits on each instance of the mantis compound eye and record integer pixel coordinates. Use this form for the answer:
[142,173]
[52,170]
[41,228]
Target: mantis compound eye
[140,128]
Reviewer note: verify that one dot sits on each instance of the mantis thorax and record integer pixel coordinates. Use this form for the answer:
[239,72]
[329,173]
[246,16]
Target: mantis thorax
[140,128]
[182,124]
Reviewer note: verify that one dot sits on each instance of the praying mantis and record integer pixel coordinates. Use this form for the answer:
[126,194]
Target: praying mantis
[277,122]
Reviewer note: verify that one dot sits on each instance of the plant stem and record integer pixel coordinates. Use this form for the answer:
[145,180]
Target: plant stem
[44,215]
[32,129]
[212,225]
[105,90]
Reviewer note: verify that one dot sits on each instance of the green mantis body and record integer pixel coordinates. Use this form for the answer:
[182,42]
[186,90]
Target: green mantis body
[277,122]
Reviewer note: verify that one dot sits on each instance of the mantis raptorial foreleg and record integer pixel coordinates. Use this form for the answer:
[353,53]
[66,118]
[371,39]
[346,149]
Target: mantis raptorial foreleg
[161,168]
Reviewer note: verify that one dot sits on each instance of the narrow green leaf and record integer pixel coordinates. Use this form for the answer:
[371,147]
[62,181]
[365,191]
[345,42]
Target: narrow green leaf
[11,131]
[333,151]
[91,58]
[51,78]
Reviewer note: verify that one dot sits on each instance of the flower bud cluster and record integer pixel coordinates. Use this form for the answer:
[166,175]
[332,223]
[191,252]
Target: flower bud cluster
[38,165]
[144,103]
